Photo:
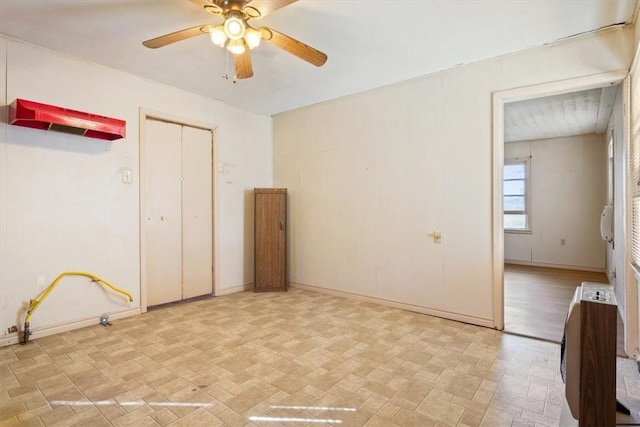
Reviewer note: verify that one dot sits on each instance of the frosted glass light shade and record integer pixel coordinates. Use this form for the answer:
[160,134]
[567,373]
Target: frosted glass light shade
[234,28]
[252,37]
[218,37]
[236,47]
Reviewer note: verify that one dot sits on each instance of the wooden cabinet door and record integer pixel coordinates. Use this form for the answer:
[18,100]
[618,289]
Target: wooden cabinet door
[270,239]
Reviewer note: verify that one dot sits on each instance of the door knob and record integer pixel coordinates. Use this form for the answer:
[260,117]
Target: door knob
[162,218]
[281,225]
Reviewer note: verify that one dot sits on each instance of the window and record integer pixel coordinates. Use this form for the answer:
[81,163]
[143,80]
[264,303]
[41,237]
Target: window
[516,195]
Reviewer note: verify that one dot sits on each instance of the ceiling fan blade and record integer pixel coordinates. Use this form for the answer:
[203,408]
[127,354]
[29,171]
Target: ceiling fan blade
[242,62]
[265,7]
[177,36]
[293,46]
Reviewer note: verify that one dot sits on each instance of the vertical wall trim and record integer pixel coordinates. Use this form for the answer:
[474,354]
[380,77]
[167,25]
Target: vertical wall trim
[4,119]
[498,229]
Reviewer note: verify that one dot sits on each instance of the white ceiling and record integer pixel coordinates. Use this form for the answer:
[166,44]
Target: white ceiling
[369,43]
[576,113]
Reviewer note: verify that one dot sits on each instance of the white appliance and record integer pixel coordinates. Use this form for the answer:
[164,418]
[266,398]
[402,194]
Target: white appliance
[606,224]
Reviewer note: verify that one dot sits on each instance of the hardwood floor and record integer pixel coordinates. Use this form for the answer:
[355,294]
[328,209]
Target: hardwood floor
[536,299]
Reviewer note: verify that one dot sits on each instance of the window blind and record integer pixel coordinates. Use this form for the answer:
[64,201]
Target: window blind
[634,165]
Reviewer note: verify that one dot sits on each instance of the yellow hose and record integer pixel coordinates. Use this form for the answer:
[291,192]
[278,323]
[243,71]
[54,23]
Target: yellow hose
[35,303]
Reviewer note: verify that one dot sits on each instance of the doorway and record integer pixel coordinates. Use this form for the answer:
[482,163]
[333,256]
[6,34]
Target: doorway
[500,155]
[176,211]
[555,187]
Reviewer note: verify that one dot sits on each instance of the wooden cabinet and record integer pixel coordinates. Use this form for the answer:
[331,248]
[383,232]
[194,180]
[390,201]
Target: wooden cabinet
[270,239]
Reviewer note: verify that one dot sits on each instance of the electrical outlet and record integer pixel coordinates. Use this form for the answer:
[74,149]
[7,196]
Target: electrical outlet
[41,281]
[563,242]
[127,176]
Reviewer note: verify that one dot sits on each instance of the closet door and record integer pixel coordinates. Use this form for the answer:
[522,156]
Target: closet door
[197,247]
[164,223]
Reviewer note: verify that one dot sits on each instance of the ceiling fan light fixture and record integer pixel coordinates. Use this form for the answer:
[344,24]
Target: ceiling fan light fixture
[237,36]
[236,47]
[218,36]
[252,37]
[234,28]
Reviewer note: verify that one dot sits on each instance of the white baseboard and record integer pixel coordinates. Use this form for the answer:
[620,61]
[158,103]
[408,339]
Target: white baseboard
[235,289]
[401,305]
[16,337]
[562,267]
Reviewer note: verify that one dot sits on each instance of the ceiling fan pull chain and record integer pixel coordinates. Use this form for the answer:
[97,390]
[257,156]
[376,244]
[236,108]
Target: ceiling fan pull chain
[226,68]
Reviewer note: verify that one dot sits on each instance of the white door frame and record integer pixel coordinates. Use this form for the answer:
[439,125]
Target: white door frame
[499,99]
[145,114]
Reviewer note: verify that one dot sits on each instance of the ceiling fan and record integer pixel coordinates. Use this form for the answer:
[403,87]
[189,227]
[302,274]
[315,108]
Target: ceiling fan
[238,36]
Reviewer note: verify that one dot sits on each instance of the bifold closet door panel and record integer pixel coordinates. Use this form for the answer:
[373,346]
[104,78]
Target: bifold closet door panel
[163,231]
[197,246]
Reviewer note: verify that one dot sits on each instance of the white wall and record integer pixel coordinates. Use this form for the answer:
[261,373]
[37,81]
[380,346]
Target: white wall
[371,175]
[568,191]
[63,205]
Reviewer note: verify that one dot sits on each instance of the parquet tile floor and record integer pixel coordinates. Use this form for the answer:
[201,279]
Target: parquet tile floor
[286,359]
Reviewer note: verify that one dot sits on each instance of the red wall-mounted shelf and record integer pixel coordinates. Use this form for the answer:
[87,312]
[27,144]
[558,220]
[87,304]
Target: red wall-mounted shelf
[48,117]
